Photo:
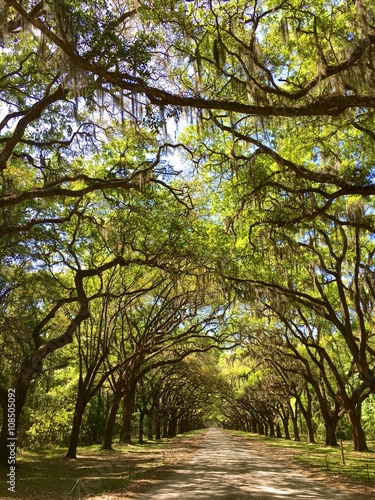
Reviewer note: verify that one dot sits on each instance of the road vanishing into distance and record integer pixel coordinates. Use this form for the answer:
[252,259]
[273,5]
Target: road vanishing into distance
[226,468]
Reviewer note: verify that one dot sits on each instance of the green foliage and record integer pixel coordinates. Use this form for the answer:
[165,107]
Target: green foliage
[51,407]
[262,245]
[368,416]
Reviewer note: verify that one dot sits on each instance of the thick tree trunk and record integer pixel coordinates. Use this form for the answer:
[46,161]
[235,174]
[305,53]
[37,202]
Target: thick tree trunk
[150,426]
[110,422]
[359,437]
[79,410]
[248,426]
[284,414]
[74,435]
[25,376]
[157,429]
[141,425]
[278,430]
[294,418]
[164,423]
[271,426]
[127,414]
[307,415]
[330,429]
[309,428]
[172,426]
[126,429]
[285,421]
[330,415]
[295,429]
[260,428]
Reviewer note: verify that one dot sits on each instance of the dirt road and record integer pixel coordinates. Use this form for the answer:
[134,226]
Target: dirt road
[225,468]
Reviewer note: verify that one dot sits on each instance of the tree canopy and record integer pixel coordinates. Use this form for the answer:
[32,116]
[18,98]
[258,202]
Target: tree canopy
[187,209]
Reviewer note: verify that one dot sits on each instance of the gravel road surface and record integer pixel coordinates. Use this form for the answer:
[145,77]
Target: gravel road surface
[225,468]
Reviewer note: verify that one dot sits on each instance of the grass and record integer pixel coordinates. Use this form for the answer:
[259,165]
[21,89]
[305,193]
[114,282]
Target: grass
[359,467]
[46,473]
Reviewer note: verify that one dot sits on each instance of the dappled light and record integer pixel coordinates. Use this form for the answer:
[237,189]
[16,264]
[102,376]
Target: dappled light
[187,226]
[229,469]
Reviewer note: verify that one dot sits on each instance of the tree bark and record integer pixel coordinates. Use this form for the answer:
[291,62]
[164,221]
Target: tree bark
[271,426]
[24,378]
[307,415]
[141,425]
[285,421]
[359,437]
[278,430]
[127,414]
[79,410]
[74,434]
[150,427]
[253,425]
[284,415]
[157,424]
[294,418]
[110,422]
[172,426]
[260,428]
[330,424]
[164,422]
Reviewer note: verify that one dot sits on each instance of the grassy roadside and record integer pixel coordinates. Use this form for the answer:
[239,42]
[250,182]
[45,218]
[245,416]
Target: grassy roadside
[46,474]
[359,468]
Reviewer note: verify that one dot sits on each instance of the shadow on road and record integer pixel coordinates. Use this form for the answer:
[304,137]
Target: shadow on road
[226,469]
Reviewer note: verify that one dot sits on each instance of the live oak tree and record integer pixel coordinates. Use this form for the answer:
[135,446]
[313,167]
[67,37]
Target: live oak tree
[319,270]
[42,345]
[236,65]
[95,338]
[68,259]
[231,63]
[313,352]
[281,98]
[62,175]
[318,283]
[163,330]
